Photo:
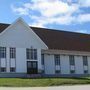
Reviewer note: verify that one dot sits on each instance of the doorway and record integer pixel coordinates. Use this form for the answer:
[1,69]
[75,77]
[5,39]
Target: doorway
[32,67]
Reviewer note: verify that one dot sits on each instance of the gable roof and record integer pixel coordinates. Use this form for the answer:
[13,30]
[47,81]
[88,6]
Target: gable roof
[62,40]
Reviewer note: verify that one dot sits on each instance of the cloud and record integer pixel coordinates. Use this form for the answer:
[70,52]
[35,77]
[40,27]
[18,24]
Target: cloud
[83,18]
[81,31]
[53,11]
[20,10]
[84,3]
[53,8]
[42,21]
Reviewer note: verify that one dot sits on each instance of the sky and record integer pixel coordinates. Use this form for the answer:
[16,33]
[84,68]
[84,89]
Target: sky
[67,15]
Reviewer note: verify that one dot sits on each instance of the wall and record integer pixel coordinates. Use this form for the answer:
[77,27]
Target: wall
[49,64]
[78,65]
[89,64]
[65,68]
[21,60]
[20,36]
[64,62]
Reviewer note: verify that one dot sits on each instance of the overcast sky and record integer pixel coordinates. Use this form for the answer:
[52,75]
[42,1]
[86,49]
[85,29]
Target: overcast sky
[68,15]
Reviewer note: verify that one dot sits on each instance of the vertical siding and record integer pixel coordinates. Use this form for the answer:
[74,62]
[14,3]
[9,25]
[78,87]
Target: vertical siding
[65,67]
[49,64]
[78,65]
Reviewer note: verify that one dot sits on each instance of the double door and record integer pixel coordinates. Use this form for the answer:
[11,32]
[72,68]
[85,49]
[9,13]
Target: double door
[32,67]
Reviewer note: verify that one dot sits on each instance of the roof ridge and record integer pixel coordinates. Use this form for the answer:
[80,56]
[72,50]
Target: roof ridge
[58,30]
[49,29]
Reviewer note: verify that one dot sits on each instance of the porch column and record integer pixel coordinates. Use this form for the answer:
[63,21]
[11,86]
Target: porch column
[8,60]
[39,60]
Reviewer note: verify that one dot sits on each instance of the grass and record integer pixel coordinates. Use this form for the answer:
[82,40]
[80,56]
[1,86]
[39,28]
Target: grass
[19,82]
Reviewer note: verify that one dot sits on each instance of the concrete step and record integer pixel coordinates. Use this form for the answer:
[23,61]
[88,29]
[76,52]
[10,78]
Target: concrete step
[34,75]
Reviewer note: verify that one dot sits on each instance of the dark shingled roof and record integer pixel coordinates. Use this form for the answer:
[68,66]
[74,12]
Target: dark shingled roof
[62,40]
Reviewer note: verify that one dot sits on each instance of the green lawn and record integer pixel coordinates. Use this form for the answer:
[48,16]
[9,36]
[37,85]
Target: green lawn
[18,82]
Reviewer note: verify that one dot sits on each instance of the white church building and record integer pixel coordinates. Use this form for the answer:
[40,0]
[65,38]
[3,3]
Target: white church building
[26,50]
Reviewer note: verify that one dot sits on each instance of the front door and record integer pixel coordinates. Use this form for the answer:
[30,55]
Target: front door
[32,67]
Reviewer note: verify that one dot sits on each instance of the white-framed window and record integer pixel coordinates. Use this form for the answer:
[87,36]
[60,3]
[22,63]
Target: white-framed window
[85,61]
[12,52]
[57,59]
[85,64]
[12,69]
[31,54]
[71,59]
[3,69]
[72,64]
[2,52]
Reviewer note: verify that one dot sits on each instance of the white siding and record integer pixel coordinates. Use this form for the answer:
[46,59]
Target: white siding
[65,67]
[49,64]
[78,65]
[21,37]
[89,65]
[8,59]
[21,60]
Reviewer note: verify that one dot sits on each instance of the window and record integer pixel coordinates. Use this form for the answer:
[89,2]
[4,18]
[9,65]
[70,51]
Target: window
[3,69]
[71,58]
[72,71]
[85,71]
[57,59]
[85,61]
[28,53]
[34,51]
[57,71]
[42,59]
[31,53]
[2,52]
[12,53]
[43,72]
[12,69]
